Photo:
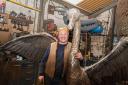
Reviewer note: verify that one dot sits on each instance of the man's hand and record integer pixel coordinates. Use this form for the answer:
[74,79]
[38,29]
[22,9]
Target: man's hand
[41,78]
[79,56]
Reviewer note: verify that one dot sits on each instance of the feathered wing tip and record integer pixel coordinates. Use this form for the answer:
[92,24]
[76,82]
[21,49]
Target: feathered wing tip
[111,68]
[29,46]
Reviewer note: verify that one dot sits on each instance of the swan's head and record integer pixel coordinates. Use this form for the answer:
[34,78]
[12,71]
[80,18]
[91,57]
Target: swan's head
[73,16]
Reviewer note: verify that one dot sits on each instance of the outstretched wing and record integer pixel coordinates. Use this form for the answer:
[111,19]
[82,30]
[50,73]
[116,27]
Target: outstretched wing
[112,68]
[29,46]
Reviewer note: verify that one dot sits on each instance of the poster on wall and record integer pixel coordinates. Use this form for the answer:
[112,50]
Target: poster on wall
[31,3]
[2,6]
[2,1]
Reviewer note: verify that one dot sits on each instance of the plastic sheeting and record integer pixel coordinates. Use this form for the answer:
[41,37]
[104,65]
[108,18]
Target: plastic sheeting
[89,25]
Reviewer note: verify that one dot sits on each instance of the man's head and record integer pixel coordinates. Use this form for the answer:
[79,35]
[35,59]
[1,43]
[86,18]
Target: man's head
[63,35]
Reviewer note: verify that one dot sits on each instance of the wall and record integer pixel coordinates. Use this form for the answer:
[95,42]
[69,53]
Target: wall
[14,7]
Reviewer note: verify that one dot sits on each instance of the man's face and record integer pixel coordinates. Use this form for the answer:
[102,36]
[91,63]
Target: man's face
[63,36]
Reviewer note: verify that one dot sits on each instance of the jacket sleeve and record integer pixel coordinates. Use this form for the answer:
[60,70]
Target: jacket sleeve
[43,62]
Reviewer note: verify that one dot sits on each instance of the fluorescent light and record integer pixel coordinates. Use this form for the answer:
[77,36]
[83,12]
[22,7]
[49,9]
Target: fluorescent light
[73,1]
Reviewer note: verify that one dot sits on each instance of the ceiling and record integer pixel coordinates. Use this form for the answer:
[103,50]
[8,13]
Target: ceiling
[90,7]
[94,5]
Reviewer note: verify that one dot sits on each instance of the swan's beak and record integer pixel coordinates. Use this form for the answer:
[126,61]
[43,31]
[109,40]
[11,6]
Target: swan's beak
[71,21]
[70,25]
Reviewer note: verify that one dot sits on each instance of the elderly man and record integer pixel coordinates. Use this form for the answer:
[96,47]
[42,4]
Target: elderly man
[52,67]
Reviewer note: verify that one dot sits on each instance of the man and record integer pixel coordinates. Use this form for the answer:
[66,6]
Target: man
[53,64]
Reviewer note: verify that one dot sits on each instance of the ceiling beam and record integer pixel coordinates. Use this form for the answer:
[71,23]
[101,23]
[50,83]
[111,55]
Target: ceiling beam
[113,4]
[69,5]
